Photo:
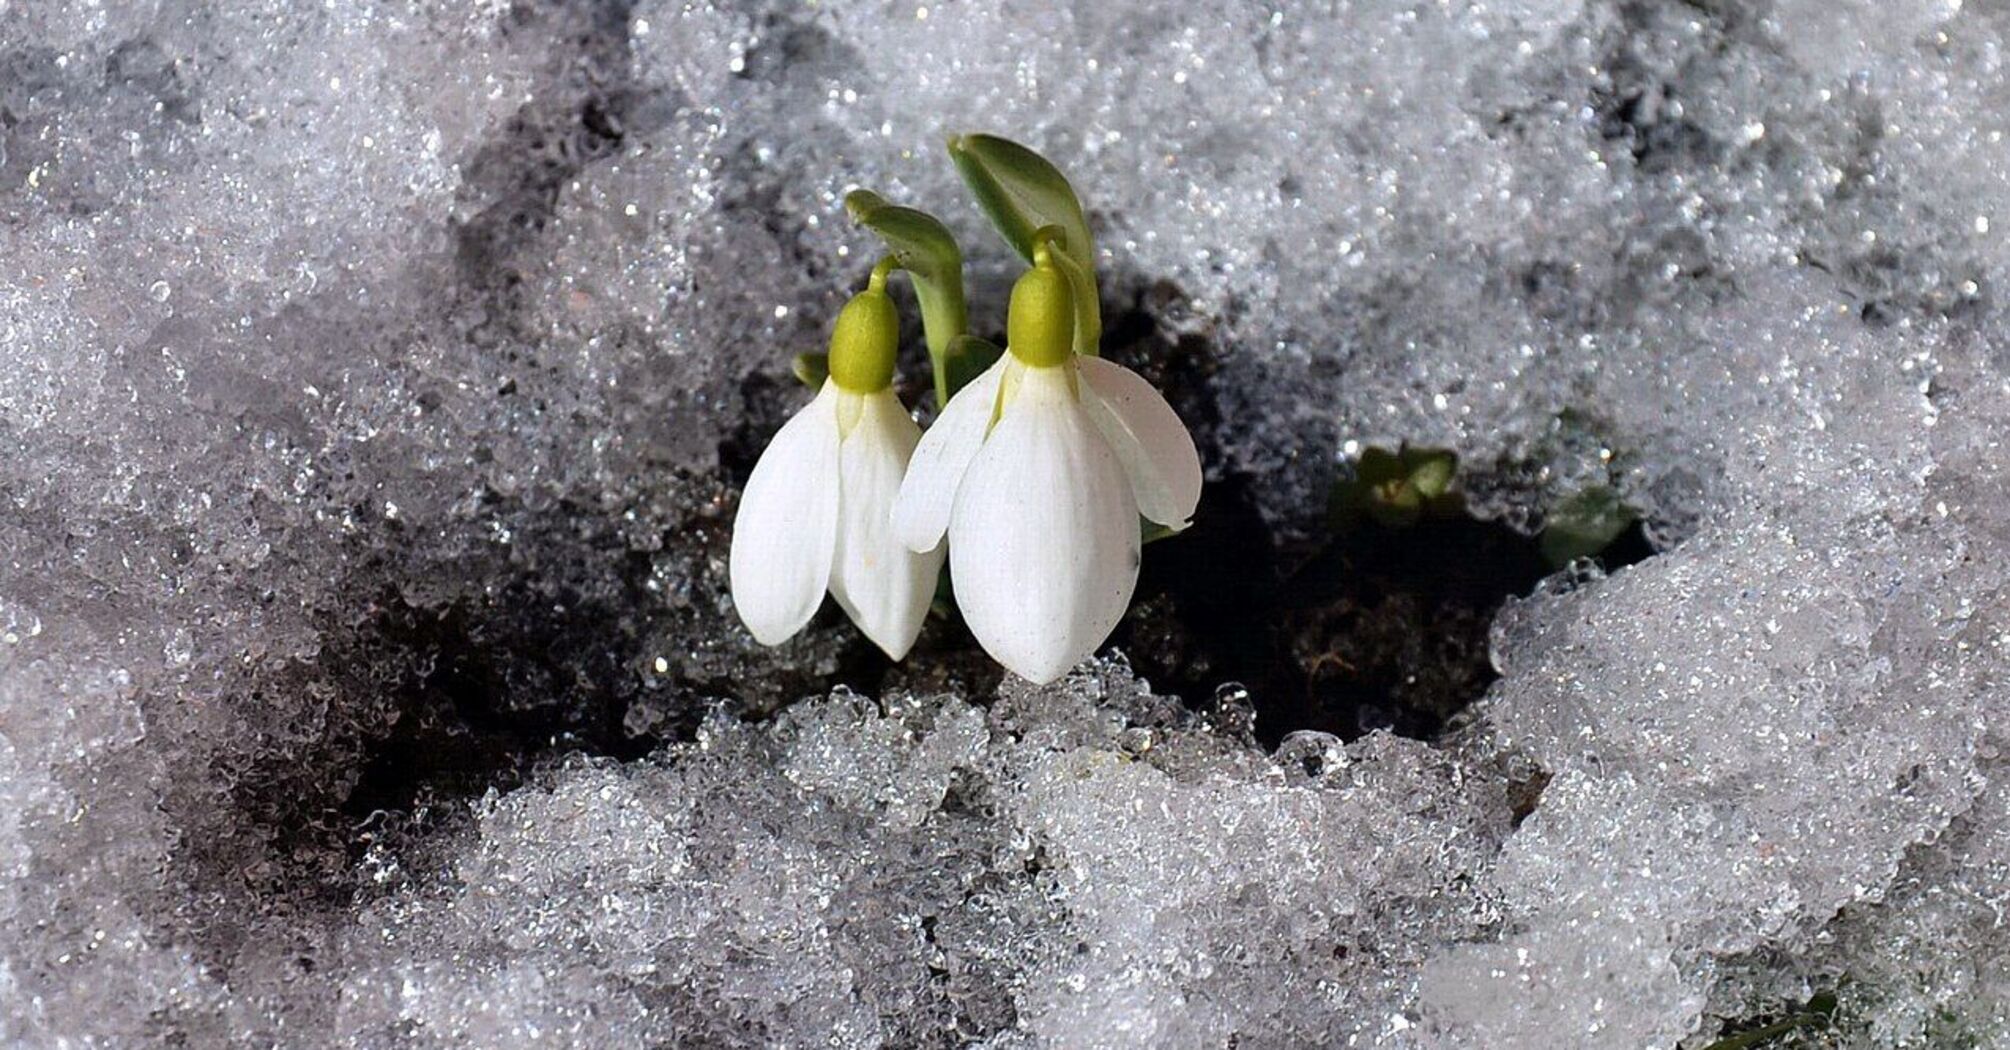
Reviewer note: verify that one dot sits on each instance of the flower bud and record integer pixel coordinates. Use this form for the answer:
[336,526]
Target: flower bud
[866,338]
[1040,326]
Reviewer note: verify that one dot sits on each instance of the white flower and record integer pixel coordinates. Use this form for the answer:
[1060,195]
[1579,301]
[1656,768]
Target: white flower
[816,514]
[1038,472]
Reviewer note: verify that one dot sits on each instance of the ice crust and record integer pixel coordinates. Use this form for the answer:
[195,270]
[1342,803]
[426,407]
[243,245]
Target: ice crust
[376,381]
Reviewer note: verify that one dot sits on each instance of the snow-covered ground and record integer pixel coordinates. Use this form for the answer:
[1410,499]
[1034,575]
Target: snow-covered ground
[376,380]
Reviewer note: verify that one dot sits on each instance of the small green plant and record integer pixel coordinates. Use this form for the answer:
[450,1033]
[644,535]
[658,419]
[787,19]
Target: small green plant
[1817,1013]
[1397,489]
[1583,523]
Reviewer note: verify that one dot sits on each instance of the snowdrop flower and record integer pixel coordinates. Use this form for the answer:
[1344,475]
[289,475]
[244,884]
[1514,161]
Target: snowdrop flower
[1038,472]
[815,515]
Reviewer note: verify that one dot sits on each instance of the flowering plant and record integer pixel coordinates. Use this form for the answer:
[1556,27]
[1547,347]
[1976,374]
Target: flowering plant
[1044,465]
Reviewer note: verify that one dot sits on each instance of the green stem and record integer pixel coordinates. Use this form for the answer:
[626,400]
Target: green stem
[938,369]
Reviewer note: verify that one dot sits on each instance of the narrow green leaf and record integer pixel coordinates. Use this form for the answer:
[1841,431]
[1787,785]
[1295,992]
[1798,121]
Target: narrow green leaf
[812,369]
[927,251]
[1021,191]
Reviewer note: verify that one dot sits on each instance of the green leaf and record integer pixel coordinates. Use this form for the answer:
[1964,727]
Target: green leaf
[1021,191]
[812,369]
[968,357]
[1433,475]
[1584,523]
[1150,531]
[923,247]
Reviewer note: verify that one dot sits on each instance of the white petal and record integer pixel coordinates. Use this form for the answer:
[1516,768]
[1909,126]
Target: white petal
[921,512]
[1156,450]
[786,529]
[1043,545]
[884,587]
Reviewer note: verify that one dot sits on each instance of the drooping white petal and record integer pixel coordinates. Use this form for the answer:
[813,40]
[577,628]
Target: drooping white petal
[1153,445]
[785,532]
[1043,544]
[884,587]
[921,512]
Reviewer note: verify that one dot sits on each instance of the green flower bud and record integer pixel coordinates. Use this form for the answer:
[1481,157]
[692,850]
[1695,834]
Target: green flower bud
[866,337]
[1040,326]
